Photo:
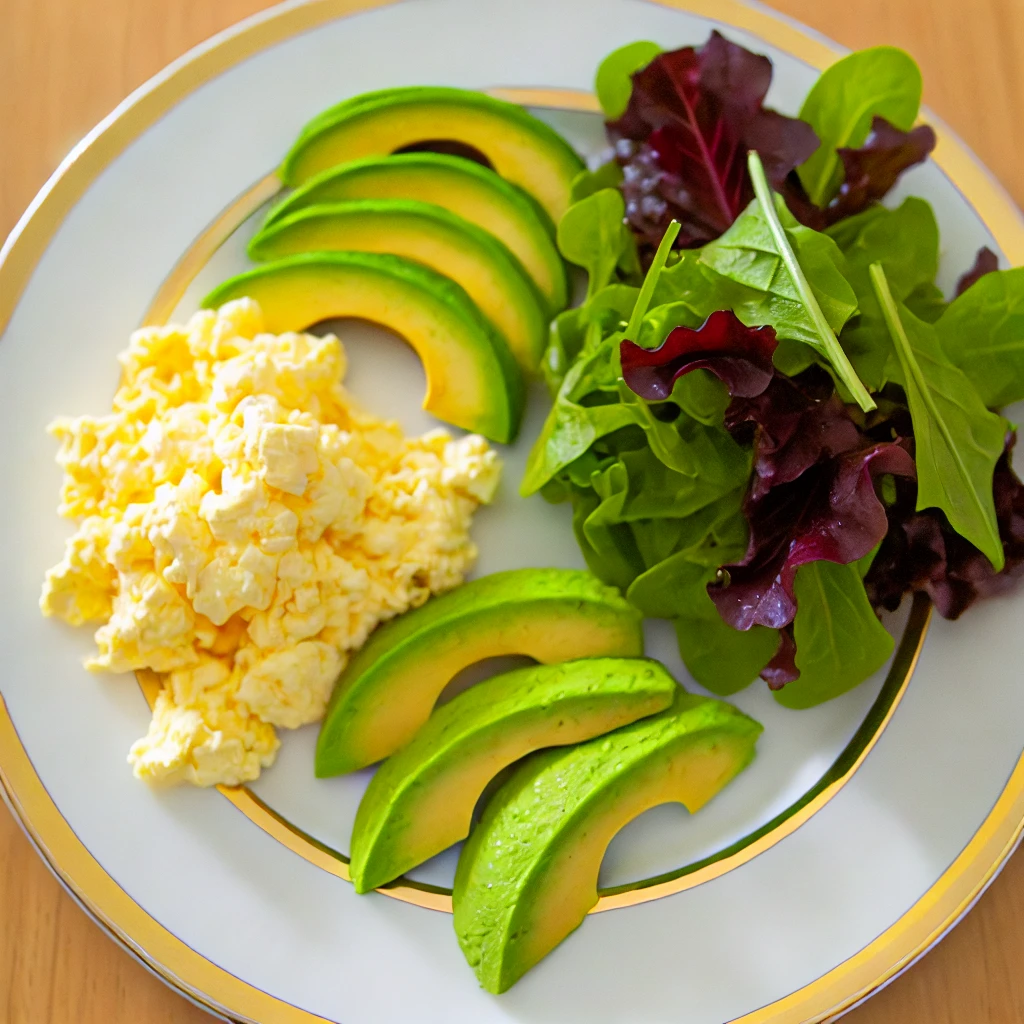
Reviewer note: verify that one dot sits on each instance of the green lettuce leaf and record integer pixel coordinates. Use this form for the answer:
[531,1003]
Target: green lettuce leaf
[957,440]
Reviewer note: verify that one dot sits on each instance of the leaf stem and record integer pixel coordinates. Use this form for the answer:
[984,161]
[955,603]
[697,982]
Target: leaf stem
[643,300]
[833,350]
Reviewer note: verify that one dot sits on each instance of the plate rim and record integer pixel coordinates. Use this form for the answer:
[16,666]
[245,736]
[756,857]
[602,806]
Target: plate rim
[183,968]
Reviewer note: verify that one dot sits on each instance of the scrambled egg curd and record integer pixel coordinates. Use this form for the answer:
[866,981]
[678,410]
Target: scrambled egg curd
[243,527]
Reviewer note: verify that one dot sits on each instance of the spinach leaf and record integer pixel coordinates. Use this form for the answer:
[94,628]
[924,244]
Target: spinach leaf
[982,332]
[839,640]
[927,302]
[793,276]
[614,82]
[593,235]
[882,81]
[608,546]
[906,243]
[587,182]
[608,310]
[568,432]
[958,441]
[721,658]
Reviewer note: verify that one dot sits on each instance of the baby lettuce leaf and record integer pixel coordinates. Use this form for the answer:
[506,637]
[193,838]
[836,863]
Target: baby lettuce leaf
[830,512]
[587,182]
[592,235]
[879,82]
[922,552]
[906,242]
[606,312]
[957,440]
[982,332]
[691,118]
[793,276]
[985,262]
[839,640]
[870,171]
[797,425]
[740,356]
[613,82]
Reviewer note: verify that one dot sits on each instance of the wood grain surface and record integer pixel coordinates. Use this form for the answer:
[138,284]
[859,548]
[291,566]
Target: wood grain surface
[64,64]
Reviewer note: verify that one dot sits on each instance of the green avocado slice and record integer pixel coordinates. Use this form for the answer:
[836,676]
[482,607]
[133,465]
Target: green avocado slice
[421,800]
[464,188]
[521,148]
[473,380]
[527,876]
[392,683]
[475,260]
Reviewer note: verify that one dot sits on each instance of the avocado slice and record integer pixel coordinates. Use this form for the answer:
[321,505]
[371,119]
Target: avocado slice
[521,148]
[473,380]
[527,876]
[421,800]
[490,275]
[464,188]
[392,683]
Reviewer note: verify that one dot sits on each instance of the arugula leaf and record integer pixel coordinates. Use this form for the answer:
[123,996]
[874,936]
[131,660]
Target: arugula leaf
[906,242]
[592,235]
[882,81]
[839,640]
[613,82]
[648,288]
[794,276]
[958,441]
[982,332]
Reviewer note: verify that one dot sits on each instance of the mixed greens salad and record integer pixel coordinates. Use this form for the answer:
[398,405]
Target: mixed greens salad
[770,423]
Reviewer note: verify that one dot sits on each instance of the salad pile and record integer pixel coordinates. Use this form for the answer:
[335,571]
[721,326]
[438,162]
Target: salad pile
[768,419]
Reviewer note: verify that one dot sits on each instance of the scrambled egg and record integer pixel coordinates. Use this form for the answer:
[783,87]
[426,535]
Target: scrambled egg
[243,527]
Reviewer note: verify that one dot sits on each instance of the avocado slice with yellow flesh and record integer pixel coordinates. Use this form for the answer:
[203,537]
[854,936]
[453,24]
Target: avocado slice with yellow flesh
[473,380]
[521,148]
[464,188]
[475,260]
[387,691]
[527,877]
[421,800]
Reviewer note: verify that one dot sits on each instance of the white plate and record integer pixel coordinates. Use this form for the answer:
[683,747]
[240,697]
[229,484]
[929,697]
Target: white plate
[249,916]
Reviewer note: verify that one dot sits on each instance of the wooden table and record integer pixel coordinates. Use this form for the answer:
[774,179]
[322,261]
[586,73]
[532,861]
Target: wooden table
[65,63]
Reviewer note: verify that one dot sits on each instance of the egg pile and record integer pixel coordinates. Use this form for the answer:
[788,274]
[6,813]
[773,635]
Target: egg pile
[243,526]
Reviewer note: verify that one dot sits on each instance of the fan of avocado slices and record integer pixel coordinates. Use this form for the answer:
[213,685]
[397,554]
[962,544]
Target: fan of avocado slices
[770,422]
[457,256]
